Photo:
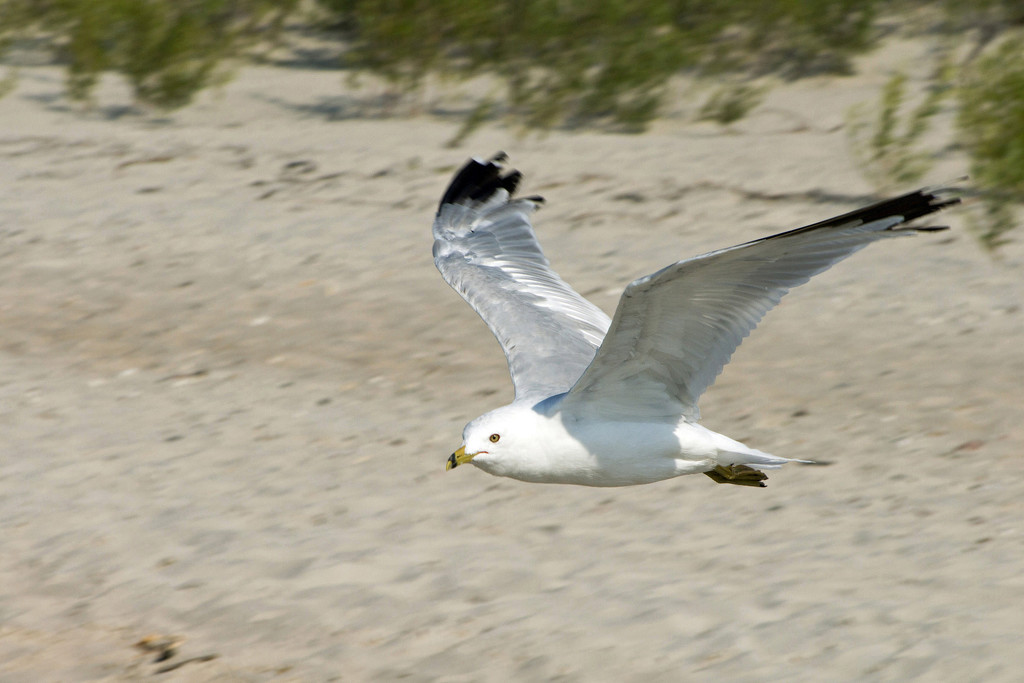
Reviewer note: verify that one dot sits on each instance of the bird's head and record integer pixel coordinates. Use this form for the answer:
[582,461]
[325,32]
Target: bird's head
[489,440]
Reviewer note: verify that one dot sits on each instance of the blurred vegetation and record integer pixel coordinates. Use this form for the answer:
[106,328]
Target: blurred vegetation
[168,50]
[561,62]
[989,17]
[888,147]
[580,62]
[991,125]
[569,63]
[987,89]
[732,102]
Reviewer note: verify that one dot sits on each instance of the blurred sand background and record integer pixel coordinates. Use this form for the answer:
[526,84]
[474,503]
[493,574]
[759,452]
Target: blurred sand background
[230,377]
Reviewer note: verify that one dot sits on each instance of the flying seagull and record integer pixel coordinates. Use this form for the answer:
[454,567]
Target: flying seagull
[602,402]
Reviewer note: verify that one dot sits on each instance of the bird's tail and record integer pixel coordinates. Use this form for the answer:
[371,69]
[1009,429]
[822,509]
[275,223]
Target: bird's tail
[754,458]
[744,466]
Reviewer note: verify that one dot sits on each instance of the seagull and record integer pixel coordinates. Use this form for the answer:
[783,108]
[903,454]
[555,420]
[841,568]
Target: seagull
[613,402]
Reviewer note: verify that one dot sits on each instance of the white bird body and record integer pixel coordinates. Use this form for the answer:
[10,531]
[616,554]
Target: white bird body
[613,402]
[561,450]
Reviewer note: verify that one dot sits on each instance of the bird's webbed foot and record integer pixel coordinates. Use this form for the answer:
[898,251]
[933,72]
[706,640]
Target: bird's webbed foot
[741,475]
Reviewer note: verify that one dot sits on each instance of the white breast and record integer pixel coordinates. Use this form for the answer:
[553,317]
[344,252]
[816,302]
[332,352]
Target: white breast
[602,453]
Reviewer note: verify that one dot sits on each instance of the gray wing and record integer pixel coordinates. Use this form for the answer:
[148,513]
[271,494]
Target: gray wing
[486,250]
[675,330]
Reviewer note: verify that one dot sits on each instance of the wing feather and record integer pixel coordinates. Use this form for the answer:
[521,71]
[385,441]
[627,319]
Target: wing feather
[485,248]
[675,330]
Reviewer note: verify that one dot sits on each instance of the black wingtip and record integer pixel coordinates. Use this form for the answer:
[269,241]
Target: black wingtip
[911,206]
[478,180]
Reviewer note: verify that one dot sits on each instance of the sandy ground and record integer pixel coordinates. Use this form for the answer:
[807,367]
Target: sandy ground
[230,377]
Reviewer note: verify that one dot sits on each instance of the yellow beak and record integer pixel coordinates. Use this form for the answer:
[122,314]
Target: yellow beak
[459,457]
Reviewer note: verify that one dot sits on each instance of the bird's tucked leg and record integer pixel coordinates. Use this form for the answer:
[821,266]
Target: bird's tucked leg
[741,475]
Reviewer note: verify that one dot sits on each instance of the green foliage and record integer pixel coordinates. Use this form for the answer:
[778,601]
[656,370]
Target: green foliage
[995,14]
[730,103]
[576,62]
[15,17]
[167,49]
[888,148]
[7,82]
[992,117]
[991,125]
[559,62]
[794,37]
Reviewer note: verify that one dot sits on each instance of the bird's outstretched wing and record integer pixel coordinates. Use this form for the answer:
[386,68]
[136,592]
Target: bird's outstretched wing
[486,250]
[675,330]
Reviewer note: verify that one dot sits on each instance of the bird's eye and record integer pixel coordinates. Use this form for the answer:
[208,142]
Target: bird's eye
[495,438]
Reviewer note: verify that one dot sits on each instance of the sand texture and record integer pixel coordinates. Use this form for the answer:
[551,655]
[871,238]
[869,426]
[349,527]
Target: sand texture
[230,377]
